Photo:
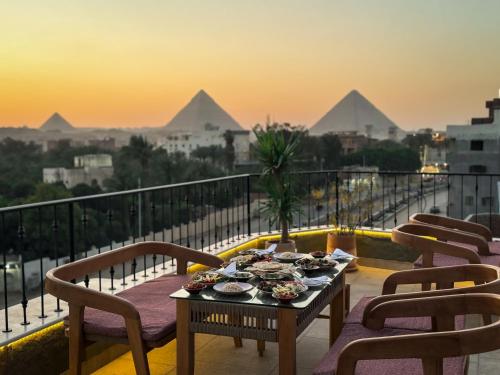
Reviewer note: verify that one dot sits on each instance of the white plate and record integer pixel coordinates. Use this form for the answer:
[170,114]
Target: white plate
[220,288]
[291,259]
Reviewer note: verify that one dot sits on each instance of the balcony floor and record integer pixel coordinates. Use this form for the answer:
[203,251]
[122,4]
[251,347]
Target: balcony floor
[217,355]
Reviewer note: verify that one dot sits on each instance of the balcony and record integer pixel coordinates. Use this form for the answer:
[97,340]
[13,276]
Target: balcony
[218,216]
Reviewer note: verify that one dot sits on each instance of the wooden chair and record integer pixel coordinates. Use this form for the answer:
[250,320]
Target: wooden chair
[486,279]
[376,350]
[440,246]
[126,316]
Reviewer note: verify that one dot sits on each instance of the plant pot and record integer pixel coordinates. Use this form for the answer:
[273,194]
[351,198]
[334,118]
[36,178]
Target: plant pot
[283,246]
[345,242]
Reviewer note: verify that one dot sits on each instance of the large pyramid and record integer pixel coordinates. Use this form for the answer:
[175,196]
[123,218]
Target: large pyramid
[56,123]
[200,113]
[355,113]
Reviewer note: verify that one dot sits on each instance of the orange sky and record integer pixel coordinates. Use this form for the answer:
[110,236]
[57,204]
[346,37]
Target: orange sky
[131,63]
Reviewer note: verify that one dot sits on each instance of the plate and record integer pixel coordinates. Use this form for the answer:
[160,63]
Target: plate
[288,257]
[269,267]
[219,288]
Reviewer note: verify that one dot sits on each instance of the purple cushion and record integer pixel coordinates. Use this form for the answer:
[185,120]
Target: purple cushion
[407,366]
[418,323]
[441,260]
[156,308]
[423,323]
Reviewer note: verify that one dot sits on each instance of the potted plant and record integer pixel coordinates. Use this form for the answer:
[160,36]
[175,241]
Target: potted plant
[276,151]
[354,208]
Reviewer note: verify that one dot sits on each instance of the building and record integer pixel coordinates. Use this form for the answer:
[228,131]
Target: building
[475,148]
[201,123]
[88,169]
[356,113]
[351,141]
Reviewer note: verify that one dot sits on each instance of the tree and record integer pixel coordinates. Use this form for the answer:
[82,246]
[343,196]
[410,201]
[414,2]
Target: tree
[229,153]
[276,153]
[387,156]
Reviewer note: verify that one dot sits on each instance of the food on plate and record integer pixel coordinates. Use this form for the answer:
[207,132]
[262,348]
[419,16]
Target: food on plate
[292,286]
[306,260]
[232,288]
[242,275]
[287,255]
[327,262]
[207,278]
[242,259]
[268,266]
[194,287]
[267,286]
[285,296]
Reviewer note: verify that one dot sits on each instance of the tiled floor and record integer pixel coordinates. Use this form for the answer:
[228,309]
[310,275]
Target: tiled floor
[217,355]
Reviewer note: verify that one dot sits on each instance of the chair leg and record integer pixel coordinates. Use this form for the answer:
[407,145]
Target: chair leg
[137,346]
[75,339]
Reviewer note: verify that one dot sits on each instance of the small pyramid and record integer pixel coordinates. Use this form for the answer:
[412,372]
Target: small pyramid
[355,113]
[201,113]
[56,123]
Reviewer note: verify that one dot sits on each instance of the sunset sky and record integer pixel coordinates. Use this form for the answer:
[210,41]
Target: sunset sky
[136,63]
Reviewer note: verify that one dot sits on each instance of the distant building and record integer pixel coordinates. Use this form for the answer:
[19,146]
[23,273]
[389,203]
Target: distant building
[89,169]
[475,149]
[201,123]
[356,113]
[351,141]
[107,143]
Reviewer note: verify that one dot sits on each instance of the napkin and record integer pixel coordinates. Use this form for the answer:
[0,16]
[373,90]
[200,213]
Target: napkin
[341,254]
[309,281]
[229,270]
[269,250]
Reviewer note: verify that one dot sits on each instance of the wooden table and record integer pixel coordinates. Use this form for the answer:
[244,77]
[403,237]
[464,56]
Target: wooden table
[257,316]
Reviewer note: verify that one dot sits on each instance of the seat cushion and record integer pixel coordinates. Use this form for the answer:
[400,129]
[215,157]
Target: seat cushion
[418,323]
[441,260]
[407,366]
[156,308]
[412,323]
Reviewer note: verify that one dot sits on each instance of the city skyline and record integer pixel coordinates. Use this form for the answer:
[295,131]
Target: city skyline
[120,65]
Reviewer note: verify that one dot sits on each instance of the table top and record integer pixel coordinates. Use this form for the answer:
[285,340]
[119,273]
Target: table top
[255,297]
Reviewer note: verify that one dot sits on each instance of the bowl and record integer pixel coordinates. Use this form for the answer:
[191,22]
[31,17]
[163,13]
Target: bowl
[309,268]
[272,276]
[318,254]
[285,298]
[193,288]
[242,276]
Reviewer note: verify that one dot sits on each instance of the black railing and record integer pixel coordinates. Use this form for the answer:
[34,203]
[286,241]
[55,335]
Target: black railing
[209,215]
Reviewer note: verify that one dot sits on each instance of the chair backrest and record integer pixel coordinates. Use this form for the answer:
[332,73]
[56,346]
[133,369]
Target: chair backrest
[451,223]
[429,239]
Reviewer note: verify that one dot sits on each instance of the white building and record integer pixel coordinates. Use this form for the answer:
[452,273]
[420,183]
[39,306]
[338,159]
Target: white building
[89,169]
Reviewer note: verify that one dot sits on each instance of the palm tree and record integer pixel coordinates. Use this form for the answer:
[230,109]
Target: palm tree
[276,153]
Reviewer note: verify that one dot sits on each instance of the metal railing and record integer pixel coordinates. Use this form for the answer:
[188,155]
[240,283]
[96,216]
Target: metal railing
[209,215]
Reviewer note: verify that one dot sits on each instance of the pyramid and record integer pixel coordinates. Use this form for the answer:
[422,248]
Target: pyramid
[56,123]
[200,113]
[353,113]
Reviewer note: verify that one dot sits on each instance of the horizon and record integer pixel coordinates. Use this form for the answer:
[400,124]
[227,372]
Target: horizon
[130,66]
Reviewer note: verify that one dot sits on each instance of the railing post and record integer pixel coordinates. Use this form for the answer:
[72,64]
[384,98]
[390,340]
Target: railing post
[71,229]
[249,221]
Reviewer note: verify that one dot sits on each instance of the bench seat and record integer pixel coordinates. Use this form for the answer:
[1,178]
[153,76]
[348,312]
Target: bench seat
[156,309]
[409,323]
[407,366]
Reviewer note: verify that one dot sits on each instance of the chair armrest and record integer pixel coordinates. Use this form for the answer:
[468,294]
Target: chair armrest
[80,296]
[448,222]
[478,273]
[436,306]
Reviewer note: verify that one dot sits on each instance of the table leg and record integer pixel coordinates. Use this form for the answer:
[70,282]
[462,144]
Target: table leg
[337,313]
[287,335]
[185,340]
